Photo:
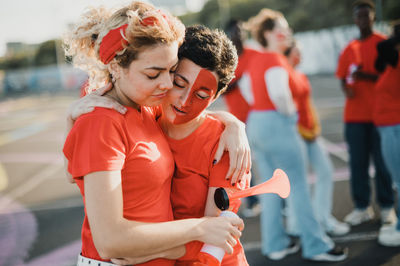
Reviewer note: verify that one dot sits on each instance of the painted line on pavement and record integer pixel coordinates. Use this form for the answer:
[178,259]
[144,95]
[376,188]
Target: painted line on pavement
[337,150]
[28,130]
[32,157]
[28,185]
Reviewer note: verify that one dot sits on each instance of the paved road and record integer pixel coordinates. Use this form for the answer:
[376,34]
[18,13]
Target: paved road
[41,214]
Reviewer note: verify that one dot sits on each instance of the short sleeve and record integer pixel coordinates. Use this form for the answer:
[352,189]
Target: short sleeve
[342,66]
[218,172]
[95,143]
[277,83]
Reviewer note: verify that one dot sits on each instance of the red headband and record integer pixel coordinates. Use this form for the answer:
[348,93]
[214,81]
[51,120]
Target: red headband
[115,39]
[112,43]
[151,20]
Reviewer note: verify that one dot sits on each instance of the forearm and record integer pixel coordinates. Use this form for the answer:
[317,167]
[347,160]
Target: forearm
[367,76]
[226,118]
[172,254]
[117,237]
[130,238]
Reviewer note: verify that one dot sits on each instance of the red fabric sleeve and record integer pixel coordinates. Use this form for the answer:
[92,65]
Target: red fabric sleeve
[94,144]
[218,172]
[192,250]
[343,64]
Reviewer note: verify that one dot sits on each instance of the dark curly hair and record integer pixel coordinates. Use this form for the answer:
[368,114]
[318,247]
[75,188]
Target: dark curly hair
[212,50]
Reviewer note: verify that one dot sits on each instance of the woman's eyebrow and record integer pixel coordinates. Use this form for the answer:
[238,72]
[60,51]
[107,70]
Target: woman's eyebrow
[182,77]
[161,68]
[156,68]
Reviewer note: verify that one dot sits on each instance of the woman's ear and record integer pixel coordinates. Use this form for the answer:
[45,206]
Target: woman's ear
[114,69]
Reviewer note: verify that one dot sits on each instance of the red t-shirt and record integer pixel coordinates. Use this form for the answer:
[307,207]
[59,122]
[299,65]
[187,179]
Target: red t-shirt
[387,97]
[194,174]
[257,68]
[304,101]
[359,53]
[105,140]
[236,103]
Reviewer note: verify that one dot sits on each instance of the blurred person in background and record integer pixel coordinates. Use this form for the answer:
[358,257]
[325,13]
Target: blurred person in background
[316,156]
[387,119]
[125,180]
[275,143]
[358,78]
[238,97]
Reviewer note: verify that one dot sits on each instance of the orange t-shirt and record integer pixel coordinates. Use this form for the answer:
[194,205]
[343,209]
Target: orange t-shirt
[387,99]
[257,68]
[236,103]
[105,140]
[194,174]
[359,53]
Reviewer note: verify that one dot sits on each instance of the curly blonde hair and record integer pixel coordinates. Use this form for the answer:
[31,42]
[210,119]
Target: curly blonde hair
[82,43]
[265,20]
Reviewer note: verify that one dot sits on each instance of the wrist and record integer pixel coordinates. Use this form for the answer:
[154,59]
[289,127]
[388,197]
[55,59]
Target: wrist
[198,233]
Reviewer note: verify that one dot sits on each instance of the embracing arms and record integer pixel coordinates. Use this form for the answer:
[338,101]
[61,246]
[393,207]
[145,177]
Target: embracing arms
[115,237]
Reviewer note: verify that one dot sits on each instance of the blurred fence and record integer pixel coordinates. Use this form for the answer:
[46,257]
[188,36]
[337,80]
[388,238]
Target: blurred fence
[47,78]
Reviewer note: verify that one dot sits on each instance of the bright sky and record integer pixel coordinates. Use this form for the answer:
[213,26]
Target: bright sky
[35,21]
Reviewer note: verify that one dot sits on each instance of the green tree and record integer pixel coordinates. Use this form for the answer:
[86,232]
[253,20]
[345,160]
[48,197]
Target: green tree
[46,54]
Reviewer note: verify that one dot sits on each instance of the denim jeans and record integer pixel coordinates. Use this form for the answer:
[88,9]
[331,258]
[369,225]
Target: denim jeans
[321,165]
[390,145]
[276,144]
[363,142]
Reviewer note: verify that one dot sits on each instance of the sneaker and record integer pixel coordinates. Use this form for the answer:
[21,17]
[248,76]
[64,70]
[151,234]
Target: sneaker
[389,236]
[291,249]
[252,212]
[336,254]
[337,228]
[359,216]
[388,216]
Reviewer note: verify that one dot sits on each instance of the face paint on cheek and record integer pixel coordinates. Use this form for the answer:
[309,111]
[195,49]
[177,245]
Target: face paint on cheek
[193,106]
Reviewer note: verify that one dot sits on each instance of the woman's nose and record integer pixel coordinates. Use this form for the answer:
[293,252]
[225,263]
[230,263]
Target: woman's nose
[167,83]
[185,98]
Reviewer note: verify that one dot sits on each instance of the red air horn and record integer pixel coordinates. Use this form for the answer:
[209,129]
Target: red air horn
[278,184]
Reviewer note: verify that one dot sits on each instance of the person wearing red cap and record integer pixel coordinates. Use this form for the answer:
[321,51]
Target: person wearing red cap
[122,164]
[358,78]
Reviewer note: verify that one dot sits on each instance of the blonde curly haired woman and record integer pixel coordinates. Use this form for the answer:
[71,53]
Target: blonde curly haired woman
[122,163]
